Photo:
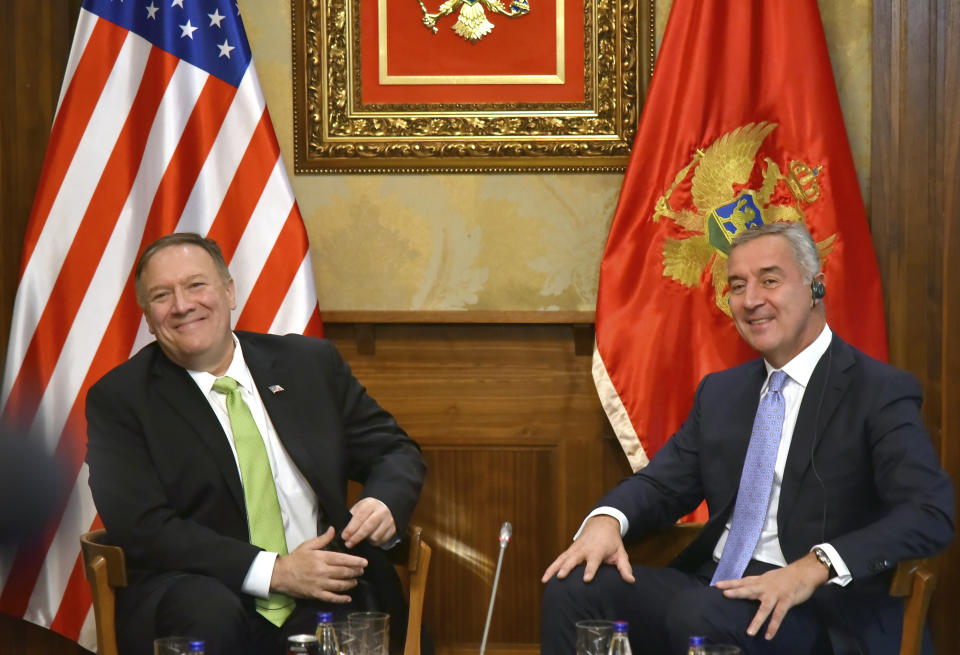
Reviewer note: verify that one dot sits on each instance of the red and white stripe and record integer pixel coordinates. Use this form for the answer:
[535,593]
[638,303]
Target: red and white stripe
[143,144]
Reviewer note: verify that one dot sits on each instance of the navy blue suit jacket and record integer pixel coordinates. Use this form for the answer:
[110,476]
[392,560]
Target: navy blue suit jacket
[861,474]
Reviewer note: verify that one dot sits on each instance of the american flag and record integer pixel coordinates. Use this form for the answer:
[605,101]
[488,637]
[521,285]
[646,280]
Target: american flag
[161,127]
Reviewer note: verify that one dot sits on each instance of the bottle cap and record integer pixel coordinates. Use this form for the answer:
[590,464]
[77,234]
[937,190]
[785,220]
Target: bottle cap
[196,646]
[697,640]
[324,617]
[619,626]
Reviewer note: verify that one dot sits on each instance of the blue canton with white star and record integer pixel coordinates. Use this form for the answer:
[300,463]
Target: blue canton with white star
[206,33]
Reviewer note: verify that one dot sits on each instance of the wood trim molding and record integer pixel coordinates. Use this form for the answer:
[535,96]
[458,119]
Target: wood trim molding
[463,317]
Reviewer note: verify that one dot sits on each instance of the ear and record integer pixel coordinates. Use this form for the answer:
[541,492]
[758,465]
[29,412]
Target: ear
[232,293]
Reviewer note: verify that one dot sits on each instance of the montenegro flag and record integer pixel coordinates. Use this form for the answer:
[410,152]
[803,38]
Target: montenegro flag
[742,125]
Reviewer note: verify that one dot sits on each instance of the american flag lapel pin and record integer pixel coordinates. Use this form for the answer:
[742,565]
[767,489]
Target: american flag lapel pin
[275,388]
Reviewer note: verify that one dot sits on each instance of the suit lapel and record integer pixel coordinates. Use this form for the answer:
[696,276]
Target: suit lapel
[725,474]
[289,412]
[826,389]
[175,387]
[746,403]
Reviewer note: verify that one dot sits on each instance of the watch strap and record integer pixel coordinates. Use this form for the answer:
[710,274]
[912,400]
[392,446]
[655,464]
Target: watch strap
[821,555]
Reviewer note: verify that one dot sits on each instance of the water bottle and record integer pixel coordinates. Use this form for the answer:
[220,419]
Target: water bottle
[619,645]
[696,645]
[196,647]
[326,635]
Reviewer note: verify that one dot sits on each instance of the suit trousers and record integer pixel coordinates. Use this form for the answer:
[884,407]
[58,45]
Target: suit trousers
[664,607]
[203,607]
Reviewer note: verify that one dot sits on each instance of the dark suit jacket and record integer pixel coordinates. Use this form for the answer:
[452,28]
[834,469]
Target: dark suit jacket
[166,484]
[860,474]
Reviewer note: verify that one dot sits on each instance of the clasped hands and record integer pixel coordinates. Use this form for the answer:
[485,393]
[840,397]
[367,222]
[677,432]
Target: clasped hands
[777,590]
[309,571]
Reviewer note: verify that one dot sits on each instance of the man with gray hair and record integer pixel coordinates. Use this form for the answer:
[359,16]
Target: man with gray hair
[817,472]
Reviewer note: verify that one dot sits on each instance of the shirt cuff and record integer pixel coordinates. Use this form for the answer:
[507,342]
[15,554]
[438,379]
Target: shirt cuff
[607,511]
[843,576]
[257,581]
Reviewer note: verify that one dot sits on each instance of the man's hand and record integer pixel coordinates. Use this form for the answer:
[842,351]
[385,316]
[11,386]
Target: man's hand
[310,572]
[371,520]
[777,591]
[599,543]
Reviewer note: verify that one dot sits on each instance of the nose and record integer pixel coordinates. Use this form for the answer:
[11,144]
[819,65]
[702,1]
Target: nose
[752,295]
[181,301]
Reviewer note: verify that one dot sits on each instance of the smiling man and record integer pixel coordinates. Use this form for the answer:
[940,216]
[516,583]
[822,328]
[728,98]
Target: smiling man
[818,474]
[219,461]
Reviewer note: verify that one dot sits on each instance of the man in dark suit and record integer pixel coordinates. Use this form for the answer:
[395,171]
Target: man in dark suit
[850,487]
[230,502]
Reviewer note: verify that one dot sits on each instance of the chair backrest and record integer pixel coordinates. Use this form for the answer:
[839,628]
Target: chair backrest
[913,580]
[412,562]
[106,569]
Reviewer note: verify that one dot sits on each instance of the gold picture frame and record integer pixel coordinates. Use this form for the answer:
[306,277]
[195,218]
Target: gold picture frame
[336,132]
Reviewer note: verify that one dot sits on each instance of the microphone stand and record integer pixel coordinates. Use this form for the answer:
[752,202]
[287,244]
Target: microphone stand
[506,531]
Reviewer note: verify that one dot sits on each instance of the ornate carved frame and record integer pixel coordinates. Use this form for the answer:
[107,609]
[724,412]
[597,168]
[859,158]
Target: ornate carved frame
[334,132]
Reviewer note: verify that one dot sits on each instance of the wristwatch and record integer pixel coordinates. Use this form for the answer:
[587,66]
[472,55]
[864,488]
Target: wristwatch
[821,555]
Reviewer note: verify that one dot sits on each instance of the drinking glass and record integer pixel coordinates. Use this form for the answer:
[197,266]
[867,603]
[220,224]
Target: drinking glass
[172,645]
[372,631]
[593,637]
[349,640]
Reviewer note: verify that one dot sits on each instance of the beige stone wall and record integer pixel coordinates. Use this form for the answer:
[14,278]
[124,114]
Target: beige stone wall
[484,242]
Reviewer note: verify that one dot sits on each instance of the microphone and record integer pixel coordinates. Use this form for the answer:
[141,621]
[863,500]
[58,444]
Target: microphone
[506,531]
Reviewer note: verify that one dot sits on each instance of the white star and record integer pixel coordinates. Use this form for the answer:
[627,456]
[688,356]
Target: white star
[215,18]
[187,30]
[225,49]
[152,11]
[237,5]
[177,3]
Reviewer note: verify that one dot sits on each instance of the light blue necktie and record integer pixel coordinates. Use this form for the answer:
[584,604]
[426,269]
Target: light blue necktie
[753,497]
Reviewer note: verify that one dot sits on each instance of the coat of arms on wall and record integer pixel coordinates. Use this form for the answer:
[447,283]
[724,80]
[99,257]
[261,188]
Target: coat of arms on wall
[472,23]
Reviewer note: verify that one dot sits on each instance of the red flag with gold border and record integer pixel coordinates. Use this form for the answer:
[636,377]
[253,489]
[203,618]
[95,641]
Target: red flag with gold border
[742,125]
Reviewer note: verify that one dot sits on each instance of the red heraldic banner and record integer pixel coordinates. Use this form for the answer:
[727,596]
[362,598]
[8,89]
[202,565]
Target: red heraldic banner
[742,126]
[161,127]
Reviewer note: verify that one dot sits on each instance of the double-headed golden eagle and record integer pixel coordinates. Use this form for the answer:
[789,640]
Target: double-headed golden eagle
[472,23]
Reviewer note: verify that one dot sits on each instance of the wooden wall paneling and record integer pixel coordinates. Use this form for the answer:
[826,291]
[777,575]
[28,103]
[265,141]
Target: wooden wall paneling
[946,197]
[512,430]
[472,490]
[914,221]
[907,234]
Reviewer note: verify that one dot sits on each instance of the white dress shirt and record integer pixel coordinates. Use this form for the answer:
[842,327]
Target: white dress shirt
[798,370]
[298,503]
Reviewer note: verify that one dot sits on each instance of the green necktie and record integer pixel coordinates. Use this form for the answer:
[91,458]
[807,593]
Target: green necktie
[259,491]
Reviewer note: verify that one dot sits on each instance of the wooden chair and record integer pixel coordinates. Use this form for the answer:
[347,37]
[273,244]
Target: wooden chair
[106,570]
[411,559]
[913,580]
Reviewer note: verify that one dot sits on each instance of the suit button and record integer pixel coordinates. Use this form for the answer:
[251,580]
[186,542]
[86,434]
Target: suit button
[879,565]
